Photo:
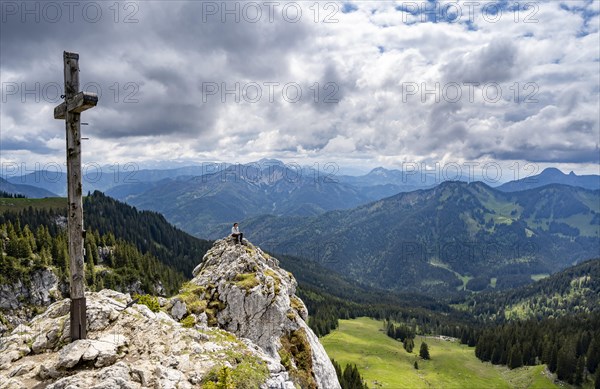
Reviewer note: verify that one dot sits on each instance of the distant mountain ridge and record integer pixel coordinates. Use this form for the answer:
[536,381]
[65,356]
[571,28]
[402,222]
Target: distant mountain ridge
[552,176]
[26,190]
[205,199]
[103,177]
[388,181]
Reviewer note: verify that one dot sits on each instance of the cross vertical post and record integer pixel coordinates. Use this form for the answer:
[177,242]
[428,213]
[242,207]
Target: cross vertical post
[75,103]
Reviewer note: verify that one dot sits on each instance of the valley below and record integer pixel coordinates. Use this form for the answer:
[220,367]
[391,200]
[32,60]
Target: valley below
[383,362]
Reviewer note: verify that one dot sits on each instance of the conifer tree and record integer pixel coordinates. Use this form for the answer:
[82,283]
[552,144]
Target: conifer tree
[553,362]
[566,363]
[593,354]
[424,351]
[516,358]
[409,345]
[578,375]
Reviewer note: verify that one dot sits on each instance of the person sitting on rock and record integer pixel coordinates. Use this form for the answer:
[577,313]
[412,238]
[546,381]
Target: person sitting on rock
[237,235]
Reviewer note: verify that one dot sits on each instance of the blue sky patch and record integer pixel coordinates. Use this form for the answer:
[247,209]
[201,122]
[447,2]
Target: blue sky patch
[349,8]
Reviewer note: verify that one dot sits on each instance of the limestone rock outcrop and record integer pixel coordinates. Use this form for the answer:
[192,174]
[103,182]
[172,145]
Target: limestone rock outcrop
[242,289]
[19,299]
[41,290]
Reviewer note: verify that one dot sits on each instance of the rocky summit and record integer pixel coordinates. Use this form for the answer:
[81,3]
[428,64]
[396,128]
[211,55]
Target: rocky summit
[237,324]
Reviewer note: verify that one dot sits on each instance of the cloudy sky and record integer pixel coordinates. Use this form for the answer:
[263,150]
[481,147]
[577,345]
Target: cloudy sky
[361,84]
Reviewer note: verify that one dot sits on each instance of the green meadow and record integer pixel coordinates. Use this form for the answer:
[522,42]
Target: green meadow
[383,362]
[16,205]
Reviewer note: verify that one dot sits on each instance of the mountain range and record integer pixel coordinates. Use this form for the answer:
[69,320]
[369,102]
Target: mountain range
[249,281]
[205,205]
[100,178]
[457,235]
[128,182]
[436,240]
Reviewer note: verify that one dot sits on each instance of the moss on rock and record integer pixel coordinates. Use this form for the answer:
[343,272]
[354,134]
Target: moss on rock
[199,299]
[189,321]
[296,357]
[150,301]
[296,304]
[248,373]
[246,281]
[277,280]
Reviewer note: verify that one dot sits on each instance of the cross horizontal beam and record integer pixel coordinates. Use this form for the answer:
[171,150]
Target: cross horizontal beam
[81,102]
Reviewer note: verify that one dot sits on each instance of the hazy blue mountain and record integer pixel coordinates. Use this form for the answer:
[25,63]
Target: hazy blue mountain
[295,175]
[104,178]
[26,190]
[52,181]
[201,204]
[382,176]
[126,191]
[552,176]
[412,177]
[434,240]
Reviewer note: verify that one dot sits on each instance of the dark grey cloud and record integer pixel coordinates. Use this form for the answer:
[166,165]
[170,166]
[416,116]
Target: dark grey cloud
[35,145]
[131,53]
[332,89]
[445,126]
[496,62]
[252,49]
[173,118]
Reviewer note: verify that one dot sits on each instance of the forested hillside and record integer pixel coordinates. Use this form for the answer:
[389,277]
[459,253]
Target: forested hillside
[569,345]
[110,263]
[125,249]
[555,321]
[147,231]
[572,291]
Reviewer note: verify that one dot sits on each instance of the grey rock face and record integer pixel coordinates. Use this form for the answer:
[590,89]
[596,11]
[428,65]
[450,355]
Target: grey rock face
[19,300]
[258,302]
[38,292]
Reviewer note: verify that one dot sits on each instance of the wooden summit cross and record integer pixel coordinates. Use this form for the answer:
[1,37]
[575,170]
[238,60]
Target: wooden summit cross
[75,103]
